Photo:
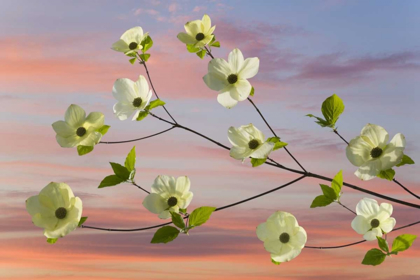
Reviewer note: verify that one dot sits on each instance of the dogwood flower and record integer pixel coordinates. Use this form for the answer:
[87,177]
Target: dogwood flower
[373,220]
[55,209]
[168,195]
[132,97]
[229,78]
[371,153]
[130,41]
[199,32]
[282,236]
[77,129]
[248,141]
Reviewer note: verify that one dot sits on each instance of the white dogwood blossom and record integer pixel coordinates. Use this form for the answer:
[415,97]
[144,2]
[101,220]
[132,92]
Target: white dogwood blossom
[248,141]
[77,129]
[230,78]
[373,220]
[199,32]
[130,41]
[132,97]
[168,195]
[371,153]
[55,209]
[282,236]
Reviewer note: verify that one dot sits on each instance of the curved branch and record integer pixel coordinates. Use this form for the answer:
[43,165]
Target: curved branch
[138,139]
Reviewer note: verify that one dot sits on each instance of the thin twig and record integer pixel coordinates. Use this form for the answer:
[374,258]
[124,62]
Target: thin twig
[140,188]
[347,208]
[138,139]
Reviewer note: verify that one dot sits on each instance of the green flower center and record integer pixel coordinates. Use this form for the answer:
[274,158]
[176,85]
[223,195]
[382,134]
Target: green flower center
[81,131]
[374,223]
[61,213]
[284,237]
[137,102]
[232,78]
[172,201]
[376,152]
[253,144]
[199,36]
[133,46]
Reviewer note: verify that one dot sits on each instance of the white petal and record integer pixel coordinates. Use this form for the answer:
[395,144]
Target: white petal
[376,134]
[393,153]
[91,139]
[369,170]
[155,203]
[388,225]
[165,215]
[120,46]
[124,90]
[298,240]
[164,185]
[236,60]
[262,232]
[205,41]
[367,207]
[185,200]
[94,120]
[186,38]
[237,137]
[134,34]
[206,22]
[240,153]
[253,132]
[360,224]
[123,110]
[219,66]
[215,81]
[263,150]
[243,87]
[68,142]
[385,211]
[143,88]
[249,68]
[63,129]
[183,184]
[75,116]
[358,151]
[226,100]
[273,246]
[286,255]
[372,234]
[194,27]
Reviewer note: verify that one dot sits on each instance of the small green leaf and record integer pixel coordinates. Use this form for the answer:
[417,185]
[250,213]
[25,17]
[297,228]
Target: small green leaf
[383,244]
[332,108]
[200,215]
[178,220]
[192,49]
[110,181]
[142,115]
[156,103]
[403,242]
[52,240]
[103,130]
[328,192]
[183,210]
[257,161]
[120,171]
[216,44]
[387,174]
[83,150]
[405,160]
[320,121]
[337,183]
[145,56]
[130,160]
[201,54]
[374,257]
[321,201]
[147,43]
[276,263]
[273,139]
[252,91]
[165,234]
[133,60]
[82,220]
[279,145]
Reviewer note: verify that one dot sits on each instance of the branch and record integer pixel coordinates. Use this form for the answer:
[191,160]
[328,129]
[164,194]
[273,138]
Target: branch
[138,139]
[140,188]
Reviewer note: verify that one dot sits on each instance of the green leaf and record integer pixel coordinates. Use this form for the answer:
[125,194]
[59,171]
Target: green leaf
[321,201]
[82,221]
[192,49]
[110,181]
[403,242]
[383,244]
[103,130]
[328,192]
[200,215]
[142,115]
[130,160]
[374,257]
[216,44]
[156,103]
[387,174]
[120,171]
[320,121]
[147,43]
[52,240]
[257,161]
[252,91]
[178,220]
[83,150]
[332,108]
[133,60]
[145,56]
[165,234]
[276,263]
[201,54]
[183,210]
[405,160]
[279,145]
[337,183]
[273,139]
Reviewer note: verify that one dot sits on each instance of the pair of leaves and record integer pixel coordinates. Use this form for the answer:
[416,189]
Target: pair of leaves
[330,194]
[331,109]
[376,256]
[121,173]
[277,143]
[387,174]
[153,104]
[83,150]
[169,233]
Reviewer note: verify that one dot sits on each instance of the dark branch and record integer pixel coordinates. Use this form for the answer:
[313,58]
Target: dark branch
[138,139]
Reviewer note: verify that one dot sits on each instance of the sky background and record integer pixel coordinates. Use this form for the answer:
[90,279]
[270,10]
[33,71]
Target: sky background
[55,53]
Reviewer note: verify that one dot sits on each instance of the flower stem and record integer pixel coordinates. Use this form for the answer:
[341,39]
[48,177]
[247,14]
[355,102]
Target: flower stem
[138,139]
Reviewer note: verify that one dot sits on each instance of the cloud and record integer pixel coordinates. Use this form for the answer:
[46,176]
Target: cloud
[199,9]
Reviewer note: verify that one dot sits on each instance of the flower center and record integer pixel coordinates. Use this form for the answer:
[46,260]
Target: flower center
[232,78]
[61,213]
[374,223]
[133,46]
[81,131]
[172,201]
[376,152]
[137,102]
[253,144]
[284,237]
[199,36]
